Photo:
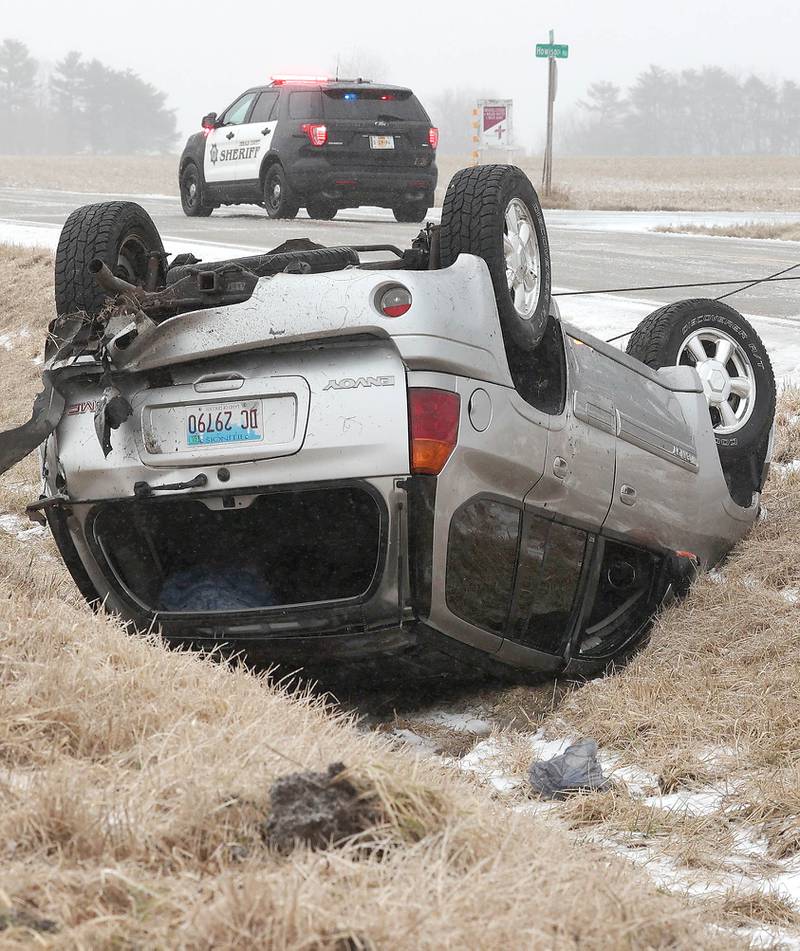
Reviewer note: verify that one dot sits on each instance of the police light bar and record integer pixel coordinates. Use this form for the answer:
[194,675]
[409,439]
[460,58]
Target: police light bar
[280,80]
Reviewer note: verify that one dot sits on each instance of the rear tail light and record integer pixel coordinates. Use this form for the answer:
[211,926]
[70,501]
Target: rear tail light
[433,422]
[317,132]
[394,301]
[433,137]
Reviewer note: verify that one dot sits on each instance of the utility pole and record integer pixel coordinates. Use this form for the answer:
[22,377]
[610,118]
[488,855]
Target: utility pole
[551,51]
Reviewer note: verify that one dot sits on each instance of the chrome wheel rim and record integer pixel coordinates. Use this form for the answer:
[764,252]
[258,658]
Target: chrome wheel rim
[727,375]
[523,264]
[190,189]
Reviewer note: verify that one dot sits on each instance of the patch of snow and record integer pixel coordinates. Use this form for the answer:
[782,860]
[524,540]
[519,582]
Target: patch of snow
[463,722]
[484,761]
[20,528]
[693,802]
[422,744]
[784,469]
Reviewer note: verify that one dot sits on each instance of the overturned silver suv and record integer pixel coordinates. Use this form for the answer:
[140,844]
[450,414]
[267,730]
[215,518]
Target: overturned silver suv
[311,455]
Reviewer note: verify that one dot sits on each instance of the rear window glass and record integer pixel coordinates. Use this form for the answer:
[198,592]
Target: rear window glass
[304,105]
[372,104]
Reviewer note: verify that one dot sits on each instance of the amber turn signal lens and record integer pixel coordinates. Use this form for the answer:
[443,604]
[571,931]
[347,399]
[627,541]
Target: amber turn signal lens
[433,424]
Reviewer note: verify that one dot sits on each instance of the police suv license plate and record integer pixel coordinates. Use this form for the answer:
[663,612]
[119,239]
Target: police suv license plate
[214,424]
[381,141]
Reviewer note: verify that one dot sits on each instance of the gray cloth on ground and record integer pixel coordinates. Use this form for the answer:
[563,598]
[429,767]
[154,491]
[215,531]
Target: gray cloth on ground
[575,770]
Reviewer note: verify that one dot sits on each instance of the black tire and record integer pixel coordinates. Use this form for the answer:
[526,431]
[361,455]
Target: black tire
[660,340]
[474,222]
[192,193]
[410,211]
[120,233]
[280,200]
[320,209]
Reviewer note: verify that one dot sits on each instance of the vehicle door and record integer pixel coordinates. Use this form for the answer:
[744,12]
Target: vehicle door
[578,478]
[563,512]
[254,137]
[222,153]
[658,500]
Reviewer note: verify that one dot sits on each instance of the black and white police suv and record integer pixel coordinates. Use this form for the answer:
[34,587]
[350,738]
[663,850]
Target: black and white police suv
[322,144]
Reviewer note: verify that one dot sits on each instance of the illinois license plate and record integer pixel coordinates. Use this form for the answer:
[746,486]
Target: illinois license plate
[381,141]
[213,424]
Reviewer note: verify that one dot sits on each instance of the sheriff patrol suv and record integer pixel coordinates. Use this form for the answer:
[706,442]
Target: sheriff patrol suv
[317,143]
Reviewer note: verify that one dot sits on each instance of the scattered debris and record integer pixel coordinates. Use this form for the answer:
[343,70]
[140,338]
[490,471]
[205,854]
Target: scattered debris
[317,809]
[575,770]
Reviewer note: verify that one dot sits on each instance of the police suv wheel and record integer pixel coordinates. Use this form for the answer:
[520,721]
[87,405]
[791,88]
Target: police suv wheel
[192,199]
[321,210]
[279,198]
[736,374]
[411,211]
[493,211]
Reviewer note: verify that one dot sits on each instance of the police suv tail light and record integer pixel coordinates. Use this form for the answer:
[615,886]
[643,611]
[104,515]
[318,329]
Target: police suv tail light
[317,132]
[433,425]
[433,137]
[395,301]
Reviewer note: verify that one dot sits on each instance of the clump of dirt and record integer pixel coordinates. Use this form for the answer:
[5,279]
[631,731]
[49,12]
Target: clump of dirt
[318,809]
[19,918]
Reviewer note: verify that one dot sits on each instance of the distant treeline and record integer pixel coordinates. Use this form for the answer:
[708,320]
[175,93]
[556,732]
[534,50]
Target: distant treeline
[694,112]
[80,106]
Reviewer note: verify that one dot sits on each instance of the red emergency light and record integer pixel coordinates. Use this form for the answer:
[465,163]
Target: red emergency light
[287,78]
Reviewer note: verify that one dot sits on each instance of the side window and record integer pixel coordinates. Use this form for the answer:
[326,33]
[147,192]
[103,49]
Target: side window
[264,107]
[624,599]
[305,105]
[550,563]
[481,556]
[237,112]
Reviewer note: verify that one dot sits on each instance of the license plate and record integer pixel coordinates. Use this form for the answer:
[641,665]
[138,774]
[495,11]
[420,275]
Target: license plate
[381,141]
[214,424]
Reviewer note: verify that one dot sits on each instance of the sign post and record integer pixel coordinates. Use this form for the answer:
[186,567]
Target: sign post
[551,52]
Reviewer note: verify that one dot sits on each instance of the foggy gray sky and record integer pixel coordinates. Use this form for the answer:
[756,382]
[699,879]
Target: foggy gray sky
[204,53]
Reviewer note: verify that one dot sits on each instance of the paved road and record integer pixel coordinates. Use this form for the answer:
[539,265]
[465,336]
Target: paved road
[590,250]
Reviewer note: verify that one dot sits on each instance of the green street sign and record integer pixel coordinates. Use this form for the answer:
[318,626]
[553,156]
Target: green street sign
[556,50]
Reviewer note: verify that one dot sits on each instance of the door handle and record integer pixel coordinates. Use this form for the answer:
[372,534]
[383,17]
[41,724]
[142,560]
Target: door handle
[560,467]
[229,135]
[265,130]
[627,494]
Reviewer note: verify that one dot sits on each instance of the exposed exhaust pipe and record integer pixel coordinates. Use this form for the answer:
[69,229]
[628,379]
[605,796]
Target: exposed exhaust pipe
[115,285]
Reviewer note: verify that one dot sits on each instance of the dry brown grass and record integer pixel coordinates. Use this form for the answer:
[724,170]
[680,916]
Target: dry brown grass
[756,907]
[669,183]
[749,229]
[107,174]
[646,183]
[133,782]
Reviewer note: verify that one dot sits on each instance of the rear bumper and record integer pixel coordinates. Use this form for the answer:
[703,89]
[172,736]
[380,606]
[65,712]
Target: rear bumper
[349,186]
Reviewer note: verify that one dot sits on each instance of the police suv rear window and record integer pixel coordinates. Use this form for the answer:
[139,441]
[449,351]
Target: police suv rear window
[372,104]
[304,105]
